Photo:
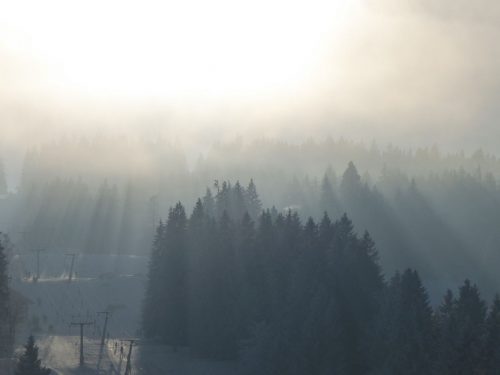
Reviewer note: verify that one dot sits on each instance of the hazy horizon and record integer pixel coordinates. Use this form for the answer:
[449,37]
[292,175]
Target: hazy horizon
[412,73]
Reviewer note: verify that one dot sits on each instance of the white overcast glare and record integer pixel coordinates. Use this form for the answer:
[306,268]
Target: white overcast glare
[413,72]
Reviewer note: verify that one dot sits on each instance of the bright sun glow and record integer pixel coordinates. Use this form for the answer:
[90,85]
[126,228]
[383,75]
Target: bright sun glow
[173,49]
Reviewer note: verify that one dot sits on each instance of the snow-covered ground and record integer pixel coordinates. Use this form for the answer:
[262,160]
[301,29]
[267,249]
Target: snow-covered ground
[102,283]
[153,359]
[62,355]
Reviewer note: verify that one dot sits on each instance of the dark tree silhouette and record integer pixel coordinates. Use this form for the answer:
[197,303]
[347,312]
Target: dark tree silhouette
[28,363]
[5,339]
[291,297]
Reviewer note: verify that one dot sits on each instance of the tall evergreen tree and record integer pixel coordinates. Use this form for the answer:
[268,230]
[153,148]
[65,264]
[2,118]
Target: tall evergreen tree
[151,314]
[461,324]
[28,363]
[4,302]
[447,330]
[174,264]
[351,180]
[224,293]
[406,328]
[329,201]
[471,315]
[246,272]
[253,203]
[491,352]
[209,203]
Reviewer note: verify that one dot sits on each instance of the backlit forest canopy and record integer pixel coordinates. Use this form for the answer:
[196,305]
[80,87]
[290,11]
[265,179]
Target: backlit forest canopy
[426,209]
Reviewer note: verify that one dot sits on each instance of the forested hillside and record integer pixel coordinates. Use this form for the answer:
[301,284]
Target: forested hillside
[426,209]
[293,297]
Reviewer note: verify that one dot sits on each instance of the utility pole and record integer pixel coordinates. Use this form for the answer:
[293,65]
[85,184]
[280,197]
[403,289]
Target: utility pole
[106,316]
[81,324]
[128,367]
[38,251]
[72,265]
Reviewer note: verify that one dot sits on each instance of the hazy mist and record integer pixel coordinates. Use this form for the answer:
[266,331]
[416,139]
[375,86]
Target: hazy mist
[249,187]
[413,72]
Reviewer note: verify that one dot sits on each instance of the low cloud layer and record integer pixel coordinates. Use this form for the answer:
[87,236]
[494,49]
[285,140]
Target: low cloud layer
[411,72]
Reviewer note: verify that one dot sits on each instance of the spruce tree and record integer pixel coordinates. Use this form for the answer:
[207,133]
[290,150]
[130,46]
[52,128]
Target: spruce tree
[246,265]
[351,180]
[491,352]
[4,302]
[224,295]
[471,314]
[328,201]
[174,272]
[223,198]
[238,204]
[253,202]
[447,330]
[197,278]
[28,363]
[406,328]
[151,313]
[209,203]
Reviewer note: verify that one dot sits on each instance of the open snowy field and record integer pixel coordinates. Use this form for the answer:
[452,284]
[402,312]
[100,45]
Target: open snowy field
[102,283]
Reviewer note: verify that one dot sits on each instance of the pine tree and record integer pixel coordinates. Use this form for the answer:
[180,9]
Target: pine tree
[471,314]
[238,204]
[491,352]
[4,302]
[447,329]
[351,180]
[245,271]
[174,272]
[223,198]
[253,202]
[28,363]
[328,199]
[356,292]
[151,314]
[209,203]
[406,325]
[224,295]
[197,277]
[4,288]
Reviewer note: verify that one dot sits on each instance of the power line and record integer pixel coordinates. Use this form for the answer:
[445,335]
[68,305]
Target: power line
[106,316]
[37,251]
[128,367]
[81,324]
[72,265]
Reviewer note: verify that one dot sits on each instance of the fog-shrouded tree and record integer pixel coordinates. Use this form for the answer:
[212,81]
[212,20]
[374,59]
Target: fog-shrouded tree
[405,328]
[5,339]
[165,306]
[425,209]
[292,297]
[151,314]
[253,202]
[491,352]
[29,363]
[174,263]
[470,315]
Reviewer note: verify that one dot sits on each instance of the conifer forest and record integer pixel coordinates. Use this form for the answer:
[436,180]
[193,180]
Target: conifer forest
[266,187]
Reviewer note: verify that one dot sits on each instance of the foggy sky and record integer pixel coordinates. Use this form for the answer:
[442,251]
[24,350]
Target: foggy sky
[412,72]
